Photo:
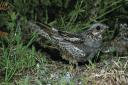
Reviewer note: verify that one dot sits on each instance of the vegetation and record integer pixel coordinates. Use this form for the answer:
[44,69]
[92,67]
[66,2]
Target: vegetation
[22,64]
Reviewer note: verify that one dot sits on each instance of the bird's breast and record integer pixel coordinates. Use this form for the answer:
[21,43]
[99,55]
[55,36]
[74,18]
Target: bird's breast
[93,43]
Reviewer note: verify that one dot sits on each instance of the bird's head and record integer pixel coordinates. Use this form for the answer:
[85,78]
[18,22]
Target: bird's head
[97,29]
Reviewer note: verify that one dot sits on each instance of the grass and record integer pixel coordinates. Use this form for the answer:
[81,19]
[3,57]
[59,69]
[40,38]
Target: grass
[22,64]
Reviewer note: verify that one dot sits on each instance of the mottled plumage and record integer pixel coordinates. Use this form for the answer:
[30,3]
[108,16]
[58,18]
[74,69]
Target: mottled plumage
[80,47]
[74,47]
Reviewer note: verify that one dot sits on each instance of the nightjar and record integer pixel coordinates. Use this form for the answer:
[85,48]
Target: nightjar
[74,47]
[80,47]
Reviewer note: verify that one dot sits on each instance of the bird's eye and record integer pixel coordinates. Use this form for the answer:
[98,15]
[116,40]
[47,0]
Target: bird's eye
[98,28]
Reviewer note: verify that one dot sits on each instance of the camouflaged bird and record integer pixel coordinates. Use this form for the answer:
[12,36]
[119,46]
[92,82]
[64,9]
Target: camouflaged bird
[74,47]
[80,47]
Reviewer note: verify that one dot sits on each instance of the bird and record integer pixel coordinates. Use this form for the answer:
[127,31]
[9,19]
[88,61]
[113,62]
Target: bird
[73,47]
[80,47]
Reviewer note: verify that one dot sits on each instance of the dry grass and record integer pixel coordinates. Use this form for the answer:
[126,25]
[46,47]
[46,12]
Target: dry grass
[110,72]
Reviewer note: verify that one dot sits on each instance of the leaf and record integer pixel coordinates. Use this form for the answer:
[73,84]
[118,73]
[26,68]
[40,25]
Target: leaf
[3,34]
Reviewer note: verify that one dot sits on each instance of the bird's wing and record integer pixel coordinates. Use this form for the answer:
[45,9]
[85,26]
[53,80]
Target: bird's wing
[71,37]
[72,49]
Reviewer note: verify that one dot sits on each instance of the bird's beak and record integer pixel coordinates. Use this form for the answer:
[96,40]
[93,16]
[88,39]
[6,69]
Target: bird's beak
[106,27]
